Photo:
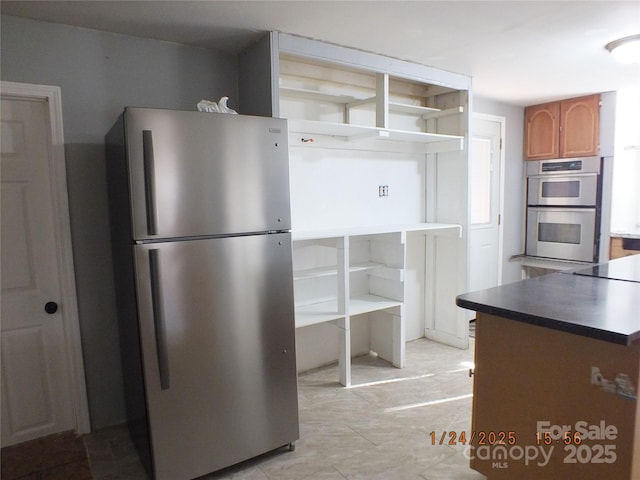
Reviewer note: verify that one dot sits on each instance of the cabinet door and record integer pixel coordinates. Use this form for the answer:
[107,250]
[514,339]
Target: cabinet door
[579,126]
[520,383]
[541,129]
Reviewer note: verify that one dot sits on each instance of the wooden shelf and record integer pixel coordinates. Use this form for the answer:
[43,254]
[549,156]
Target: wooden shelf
[442,113]
[363,267]
[379,270]
[322,312]
[317,313]
[315,272]
[290,92]
[355,132]
[351,101]
[370,303]
[375,269]
[424,228]
[328,128]
[407,108]
[417,137]
[412,109]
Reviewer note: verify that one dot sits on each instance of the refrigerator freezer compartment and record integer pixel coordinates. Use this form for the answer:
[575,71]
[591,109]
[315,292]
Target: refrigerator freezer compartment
[192,173]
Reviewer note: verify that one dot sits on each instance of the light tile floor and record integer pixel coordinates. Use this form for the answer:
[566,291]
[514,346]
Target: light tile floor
[380,428]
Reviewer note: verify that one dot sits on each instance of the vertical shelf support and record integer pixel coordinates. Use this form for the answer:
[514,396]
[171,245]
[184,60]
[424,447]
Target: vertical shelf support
[344,324]
[382,100]
[398,338]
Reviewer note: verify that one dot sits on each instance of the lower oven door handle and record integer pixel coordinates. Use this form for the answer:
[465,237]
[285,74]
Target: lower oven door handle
[586,209]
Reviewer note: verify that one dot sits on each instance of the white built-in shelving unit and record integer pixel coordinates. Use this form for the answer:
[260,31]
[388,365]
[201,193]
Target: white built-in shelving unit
[360,124]
[364,111]
[341,273]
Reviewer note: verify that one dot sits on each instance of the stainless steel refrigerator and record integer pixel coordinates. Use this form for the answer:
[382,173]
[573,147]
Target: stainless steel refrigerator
[200,219]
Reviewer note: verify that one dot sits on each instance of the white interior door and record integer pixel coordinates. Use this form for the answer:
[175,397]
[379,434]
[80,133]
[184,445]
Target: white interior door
[36,362]
[485,264]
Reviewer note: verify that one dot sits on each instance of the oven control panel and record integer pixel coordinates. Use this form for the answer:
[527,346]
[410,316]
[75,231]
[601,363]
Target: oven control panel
[559,167]
[572,166]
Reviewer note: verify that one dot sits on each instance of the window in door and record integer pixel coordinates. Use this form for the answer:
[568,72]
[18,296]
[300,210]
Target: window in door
[481,181]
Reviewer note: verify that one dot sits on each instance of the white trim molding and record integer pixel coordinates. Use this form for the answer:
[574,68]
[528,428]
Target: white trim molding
[52,95]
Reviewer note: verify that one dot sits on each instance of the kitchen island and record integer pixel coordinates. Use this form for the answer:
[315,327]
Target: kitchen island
[557,367]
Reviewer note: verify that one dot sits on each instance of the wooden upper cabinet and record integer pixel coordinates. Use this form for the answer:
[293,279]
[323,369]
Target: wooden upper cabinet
[564,129]
[579,126]
[542,129]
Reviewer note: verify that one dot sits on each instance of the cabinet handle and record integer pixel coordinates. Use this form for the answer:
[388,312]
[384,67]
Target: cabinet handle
[158,320]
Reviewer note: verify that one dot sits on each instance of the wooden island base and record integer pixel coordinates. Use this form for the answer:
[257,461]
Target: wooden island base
[541,410]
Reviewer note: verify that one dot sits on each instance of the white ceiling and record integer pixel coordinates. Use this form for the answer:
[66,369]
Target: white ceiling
[518,52]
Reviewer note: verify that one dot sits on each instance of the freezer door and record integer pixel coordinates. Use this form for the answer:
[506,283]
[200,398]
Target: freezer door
[218,341]
[193,173]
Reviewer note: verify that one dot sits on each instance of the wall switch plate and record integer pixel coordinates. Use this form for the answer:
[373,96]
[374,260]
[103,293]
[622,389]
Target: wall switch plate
[383,190]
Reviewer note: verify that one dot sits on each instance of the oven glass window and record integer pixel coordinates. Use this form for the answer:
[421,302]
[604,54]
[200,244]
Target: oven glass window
[568,189]
[559,232]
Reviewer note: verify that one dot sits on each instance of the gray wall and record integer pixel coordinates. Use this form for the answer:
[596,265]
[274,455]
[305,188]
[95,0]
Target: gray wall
[99,74]
[514,207]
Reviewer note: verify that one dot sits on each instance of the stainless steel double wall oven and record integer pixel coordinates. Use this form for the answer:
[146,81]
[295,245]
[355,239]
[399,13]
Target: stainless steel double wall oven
[563,209]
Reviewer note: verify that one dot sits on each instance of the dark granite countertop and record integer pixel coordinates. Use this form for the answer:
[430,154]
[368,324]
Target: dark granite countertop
[627,269]
[601,302]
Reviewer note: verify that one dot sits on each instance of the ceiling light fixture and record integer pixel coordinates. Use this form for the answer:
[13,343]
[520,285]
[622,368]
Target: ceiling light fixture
[625,50]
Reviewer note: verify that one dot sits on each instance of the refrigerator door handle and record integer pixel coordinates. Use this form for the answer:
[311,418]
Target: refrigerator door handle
[158,320]
[149,175]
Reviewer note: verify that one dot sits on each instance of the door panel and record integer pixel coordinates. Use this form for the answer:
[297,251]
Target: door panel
[484,231]
[36,387]
[197,173]
[542,128]
[218,350]
[580,121]
[28,392]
